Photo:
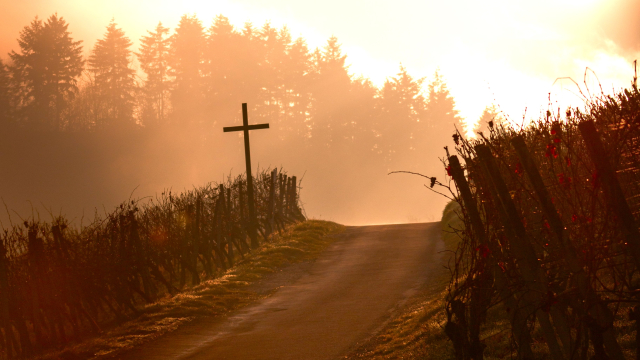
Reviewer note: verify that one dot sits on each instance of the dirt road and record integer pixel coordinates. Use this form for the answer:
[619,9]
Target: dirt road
[331,306]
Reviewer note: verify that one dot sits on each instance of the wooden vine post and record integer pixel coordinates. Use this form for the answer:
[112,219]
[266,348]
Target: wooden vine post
[8,313]
[523,252]
[294,197]
[224,228]
[218,246]
[596,309]
[518,319]
[283,188]
[271,210]
[615,199]
[243,221]
[611,187]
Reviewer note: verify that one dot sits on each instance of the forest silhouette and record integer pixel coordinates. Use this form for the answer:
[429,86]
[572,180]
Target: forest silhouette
[78,132]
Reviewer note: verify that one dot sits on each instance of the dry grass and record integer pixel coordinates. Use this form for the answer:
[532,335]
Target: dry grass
[418,331]
[451,225]
[300,242]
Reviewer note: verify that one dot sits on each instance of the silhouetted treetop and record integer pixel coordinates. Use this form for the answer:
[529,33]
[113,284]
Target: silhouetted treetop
[196,77]
[441,112]
[332,57]
[297,93]
[331,88]
[154,61]
[45,72]
[187,67]
[114,79]
[491,116]
[403,110]
[5,95]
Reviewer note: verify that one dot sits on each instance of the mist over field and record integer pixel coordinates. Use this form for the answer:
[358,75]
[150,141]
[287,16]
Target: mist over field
[95,172]
[138,107]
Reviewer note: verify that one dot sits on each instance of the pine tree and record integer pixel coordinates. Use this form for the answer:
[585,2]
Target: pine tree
[272,46]
[331,88]
[365,114]
[187,67]
[5,95]
[491,117]
[45,72]
[114,80]
[297,91]
[250,58]
[153,57]
[221,54]
[403,113]
[332,66]
[441,113]
[228,59]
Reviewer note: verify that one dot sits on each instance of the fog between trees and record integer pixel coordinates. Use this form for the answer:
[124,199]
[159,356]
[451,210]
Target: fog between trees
[80,133]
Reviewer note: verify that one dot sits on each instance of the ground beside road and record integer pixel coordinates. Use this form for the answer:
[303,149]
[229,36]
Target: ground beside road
[216,297]
[323,309]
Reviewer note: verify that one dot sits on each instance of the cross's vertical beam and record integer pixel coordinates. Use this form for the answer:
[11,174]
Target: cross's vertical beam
[252,221]
[253,235]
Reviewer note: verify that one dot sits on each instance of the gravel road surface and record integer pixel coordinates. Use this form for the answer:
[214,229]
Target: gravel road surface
[321,310]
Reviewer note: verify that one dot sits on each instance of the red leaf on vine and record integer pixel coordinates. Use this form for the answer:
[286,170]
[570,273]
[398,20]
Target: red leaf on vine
[518,169]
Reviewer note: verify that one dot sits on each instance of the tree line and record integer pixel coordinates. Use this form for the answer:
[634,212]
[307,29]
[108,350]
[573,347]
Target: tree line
[195,77]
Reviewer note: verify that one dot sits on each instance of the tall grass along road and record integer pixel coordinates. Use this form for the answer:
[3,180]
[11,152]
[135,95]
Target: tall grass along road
[337,303]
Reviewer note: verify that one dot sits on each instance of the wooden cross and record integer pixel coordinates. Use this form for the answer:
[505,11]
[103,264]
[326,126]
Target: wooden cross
[253,234]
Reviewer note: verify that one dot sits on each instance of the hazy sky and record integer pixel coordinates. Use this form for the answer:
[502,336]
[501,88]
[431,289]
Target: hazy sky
[507,52]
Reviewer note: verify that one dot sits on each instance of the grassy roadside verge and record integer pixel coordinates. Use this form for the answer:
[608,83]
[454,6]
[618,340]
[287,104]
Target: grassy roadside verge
[300,242]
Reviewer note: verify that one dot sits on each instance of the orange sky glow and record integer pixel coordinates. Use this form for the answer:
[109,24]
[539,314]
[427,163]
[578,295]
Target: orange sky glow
[503,52]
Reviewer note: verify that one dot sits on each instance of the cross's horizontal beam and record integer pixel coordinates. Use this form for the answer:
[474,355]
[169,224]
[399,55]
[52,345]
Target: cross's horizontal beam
[242,128]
